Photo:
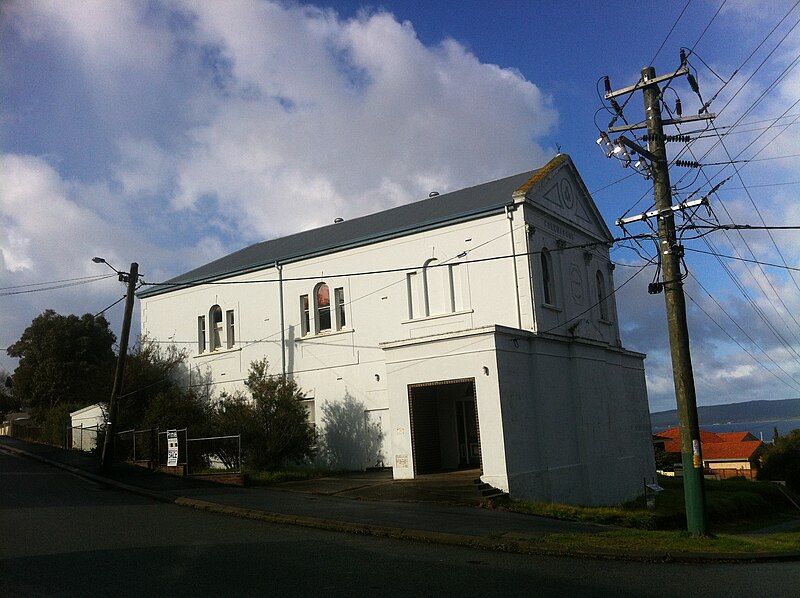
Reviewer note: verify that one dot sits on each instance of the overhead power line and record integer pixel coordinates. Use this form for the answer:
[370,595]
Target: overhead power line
[57,286]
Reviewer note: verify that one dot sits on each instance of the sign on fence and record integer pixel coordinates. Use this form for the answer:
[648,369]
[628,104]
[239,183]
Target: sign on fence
[172,448]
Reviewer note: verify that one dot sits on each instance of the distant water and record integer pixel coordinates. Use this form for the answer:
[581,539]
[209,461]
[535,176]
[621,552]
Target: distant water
[756,428]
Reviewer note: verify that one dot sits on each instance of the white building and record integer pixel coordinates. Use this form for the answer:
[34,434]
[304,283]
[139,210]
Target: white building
[488,337]
[85,424]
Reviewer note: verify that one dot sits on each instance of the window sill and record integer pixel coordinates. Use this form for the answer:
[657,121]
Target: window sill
[438,316]
[324,334]
[551,307]
[217,352]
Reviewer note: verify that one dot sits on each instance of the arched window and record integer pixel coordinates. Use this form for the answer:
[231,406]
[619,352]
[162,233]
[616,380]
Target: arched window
[601,295]
[322,307]
[547,277]
[215,327]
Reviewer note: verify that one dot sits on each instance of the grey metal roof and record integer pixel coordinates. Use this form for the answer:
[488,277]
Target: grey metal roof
[402,220]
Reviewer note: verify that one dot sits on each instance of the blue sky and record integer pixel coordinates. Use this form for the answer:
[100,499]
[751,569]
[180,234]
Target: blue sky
[173,132]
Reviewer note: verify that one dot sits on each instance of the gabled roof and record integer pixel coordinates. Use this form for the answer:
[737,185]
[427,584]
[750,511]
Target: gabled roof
[716,446]
[724,451]
[464,204]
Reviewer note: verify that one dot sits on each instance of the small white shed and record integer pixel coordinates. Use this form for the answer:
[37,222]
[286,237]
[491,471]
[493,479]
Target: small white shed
[85,424]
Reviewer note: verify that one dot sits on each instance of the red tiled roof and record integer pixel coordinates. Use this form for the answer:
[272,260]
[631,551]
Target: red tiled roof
[731,450]
[716,445]
[736,436]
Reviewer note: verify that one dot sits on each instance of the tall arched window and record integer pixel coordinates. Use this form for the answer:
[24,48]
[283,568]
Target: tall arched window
[547,277]
[215,327]
[601,295]
[322,307]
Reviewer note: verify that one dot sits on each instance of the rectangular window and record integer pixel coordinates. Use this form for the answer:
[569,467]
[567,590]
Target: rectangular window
[229,326]
[309,407]
[338,297]
[201,334]
[305,315]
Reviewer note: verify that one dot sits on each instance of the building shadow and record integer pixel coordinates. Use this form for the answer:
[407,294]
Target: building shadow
[348,439]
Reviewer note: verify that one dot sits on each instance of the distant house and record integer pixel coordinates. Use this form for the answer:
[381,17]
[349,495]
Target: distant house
[726,454]
[15,418]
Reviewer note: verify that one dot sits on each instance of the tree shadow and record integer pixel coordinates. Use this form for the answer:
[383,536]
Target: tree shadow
[348,439]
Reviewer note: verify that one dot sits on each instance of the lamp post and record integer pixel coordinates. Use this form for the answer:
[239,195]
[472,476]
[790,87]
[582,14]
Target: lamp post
[130,278]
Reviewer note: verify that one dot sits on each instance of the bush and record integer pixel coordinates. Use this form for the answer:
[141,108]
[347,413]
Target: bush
[272,421]
[781,461]
[175,408]
[55,422]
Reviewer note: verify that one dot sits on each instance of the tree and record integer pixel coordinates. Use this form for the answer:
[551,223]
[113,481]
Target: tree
[150,371]
[176,408]
[781,461]
[63,359]
[273,423]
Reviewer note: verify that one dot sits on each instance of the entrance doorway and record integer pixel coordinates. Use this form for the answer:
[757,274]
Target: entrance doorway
[444,425]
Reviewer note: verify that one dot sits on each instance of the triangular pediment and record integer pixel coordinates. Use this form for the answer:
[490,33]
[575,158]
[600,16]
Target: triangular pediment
[559,190]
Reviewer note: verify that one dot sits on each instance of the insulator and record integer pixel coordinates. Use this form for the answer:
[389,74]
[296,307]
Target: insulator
[693,82]
[678,107]
[683,57]
[668,138]
[607,83]
[688,164]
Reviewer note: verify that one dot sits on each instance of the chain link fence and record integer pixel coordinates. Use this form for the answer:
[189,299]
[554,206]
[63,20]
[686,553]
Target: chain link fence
[82,438]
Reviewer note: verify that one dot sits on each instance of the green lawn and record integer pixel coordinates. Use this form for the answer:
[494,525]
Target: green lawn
[731,504]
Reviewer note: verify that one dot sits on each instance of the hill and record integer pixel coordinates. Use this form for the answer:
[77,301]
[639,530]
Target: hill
[748,411]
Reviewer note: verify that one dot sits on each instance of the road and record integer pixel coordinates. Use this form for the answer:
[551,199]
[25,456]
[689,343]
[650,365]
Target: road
[61,535]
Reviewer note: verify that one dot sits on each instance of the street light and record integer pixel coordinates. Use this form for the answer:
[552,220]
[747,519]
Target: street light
[100,260]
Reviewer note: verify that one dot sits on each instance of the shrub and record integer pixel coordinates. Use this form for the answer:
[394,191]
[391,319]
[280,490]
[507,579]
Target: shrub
[272,421]
[175,408]
[781,461]
[55,422]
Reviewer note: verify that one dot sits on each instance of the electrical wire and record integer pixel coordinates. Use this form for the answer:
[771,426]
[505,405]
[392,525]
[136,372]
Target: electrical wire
[52,282]
[393,270]
[58,286]
[110,306]
[669,33]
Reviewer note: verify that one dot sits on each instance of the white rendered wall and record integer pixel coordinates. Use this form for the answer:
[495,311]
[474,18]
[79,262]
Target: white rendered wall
[576,420]
[329,365]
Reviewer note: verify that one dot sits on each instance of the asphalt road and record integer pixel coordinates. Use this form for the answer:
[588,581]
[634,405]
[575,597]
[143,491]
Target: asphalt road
[61,535]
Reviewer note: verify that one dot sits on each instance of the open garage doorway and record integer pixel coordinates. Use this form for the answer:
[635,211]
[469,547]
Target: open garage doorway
[444,426]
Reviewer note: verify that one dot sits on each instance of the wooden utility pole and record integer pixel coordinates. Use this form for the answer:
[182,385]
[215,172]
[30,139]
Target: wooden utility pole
[670,256]
[671,253]
[108,444]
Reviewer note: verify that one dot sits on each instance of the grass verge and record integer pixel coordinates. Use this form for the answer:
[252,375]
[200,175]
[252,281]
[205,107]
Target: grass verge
[731,504]
[266,478]
[641,541]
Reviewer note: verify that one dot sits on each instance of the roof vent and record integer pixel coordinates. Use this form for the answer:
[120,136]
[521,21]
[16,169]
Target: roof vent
[338,220]
[433,194]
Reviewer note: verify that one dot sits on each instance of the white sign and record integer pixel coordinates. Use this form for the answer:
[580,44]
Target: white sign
[172,448]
